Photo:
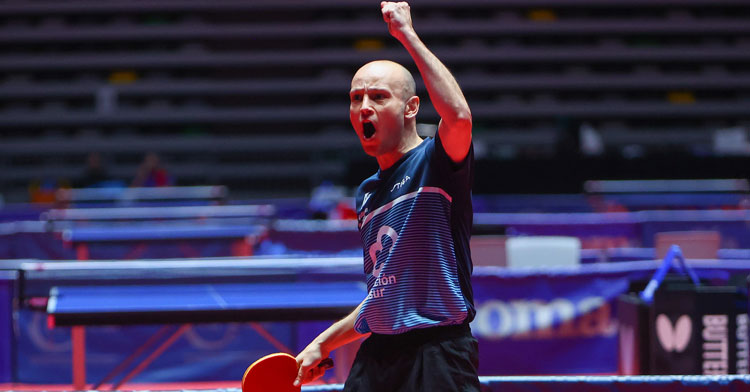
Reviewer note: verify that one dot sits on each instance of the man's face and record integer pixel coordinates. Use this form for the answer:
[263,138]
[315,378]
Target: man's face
[376,108]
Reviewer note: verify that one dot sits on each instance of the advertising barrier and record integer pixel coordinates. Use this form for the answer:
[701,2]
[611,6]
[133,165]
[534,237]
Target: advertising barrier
[562,320]
[7,281]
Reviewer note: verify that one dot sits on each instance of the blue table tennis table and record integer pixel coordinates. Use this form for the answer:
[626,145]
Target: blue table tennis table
[80,306]
[188,303]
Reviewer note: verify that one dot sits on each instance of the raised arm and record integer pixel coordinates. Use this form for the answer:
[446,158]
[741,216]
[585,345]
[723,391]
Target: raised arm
[445,94]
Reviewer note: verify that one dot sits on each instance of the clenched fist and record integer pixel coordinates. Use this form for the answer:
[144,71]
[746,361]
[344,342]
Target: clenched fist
[398,18]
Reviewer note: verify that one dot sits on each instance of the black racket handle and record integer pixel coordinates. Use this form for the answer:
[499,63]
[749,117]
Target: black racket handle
[326,363]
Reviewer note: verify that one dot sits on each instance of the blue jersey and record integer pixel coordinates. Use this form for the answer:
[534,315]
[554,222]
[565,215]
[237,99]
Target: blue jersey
[415,222]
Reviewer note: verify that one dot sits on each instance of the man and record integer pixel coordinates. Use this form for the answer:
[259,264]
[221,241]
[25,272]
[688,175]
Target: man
[415,220]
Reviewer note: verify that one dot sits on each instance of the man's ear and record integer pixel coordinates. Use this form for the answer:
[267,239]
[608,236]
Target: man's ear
[412,107]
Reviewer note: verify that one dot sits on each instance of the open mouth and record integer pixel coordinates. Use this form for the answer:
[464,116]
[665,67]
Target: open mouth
[368,130]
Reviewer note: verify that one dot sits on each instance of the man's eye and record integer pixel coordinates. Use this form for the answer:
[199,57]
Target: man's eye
[378,97]
[356,97]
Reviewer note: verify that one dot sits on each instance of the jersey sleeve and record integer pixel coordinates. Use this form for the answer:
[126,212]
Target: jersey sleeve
[456,177]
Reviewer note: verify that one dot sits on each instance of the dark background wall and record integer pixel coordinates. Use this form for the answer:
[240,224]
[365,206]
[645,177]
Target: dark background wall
[253,94]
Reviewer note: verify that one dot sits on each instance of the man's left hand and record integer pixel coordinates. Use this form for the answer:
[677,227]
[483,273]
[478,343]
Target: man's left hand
[398,18]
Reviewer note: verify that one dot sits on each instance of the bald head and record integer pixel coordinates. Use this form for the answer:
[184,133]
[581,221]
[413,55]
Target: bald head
[399,78]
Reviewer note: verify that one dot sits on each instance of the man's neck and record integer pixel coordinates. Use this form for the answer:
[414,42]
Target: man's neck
[385,161]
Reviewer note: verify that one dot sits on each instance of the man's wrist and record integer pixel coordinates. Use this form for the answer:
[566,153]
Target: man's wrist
[409,37]
[321,347]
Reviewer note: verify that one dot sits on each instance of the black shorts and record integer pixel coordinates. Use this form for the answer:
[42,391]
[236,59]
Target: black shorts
[430,359]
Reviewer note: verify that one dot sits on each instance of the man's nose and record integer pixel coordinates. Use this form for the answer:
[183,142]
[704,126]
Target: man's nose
[366,109]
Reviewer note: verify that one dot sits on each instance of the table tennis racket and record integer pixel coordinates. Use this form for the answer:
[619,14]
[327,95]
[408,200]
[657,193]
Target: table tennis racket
[275,373]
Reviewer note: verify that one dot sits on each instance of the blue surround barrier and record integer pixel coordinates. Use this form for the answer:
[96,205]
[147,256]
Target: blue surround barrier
[583,341]
[7,285]
[296,237]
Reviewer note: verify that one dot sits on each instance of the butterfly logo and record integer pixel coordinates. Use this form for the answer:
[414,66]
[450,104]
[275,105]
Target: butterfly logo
[674,338]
